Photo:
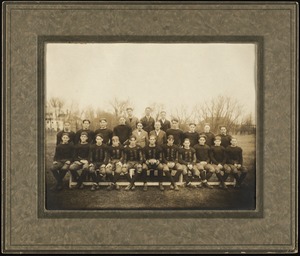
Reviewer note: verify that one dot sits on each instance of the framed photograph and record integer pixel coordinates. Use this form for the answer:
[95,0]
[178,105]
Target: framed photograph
[122,118]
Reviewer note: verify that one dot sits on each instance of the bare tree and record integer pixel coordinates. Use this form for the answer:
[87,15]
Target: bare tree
[247,125]
[57,105]
[183,115]
[119,106]
[156,109]
[222,110]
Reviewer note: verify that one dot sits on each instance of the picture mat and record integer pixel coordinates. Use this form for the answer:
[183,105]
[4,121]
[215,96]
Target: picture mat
[276,23]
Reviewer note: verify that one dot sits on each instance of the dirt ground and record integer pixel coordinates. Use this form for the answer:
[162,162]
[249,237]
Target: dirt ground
[185,198]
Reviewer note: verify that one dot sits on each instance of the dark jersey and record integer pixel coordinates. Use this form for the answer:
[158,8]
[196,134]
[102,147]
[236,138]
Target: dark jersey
[193,136]
[90,133]
[165,125]
[178,135]
[64,152]
[186,156]
[99,154]
[148,124]
[81,152]
[123,132]
[225,140]
[133,154]
[218,155]
[60,134]
[170,153]
[234,155]
[106,133]
[153,152]
[202,153]
[116,152]
[210,138]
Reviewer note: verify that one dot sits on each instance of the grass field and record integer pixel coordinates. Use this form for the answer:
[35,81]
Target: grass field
[186,198]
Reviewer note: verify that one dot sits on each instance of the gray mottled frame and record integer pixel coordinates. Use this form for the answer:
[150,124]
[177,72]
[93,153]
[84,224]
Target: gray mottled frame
[28,227]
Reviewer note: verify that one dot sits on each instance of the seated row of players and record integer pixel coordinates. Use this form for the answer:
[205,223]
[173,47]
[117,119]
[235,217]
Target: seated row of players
[101,160]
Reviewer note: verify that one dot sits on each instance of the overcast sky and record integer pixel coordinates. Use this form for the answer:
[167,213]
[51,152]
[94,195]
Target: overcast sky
[92,74]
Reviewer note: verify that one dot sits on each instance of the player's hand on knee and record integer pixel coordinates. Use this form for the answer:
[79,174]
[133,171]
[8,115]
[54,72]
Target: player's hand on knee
[190,166]
[139,166]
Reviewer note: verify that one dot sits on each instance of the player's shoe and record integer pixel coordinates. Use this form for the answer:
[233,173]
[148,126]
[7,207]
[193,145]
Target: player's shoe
[145,188]
[93,188]
[206,185]
[110,187]
[117,187]
[224,186]
[79,186]
[161,187]
[176,188]
[190,185]
[128,187]
[199,185]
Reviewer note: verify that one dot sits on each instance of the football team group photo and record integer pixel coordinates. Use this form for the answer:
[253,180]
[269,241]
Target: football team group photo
[132,126]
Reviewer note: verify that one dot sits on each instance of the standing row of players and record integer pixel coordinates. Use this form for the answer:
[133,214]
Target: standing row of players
[99,159]
[143,129]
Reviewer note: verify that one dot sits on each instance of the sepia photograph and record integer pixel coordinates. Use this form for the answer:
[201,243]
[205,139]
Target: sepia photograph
[160,127]
[150,125]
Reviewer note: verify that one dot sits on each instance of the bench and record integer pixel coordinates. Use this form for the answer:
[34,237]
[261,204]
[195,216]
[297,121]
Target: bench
[213,180]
